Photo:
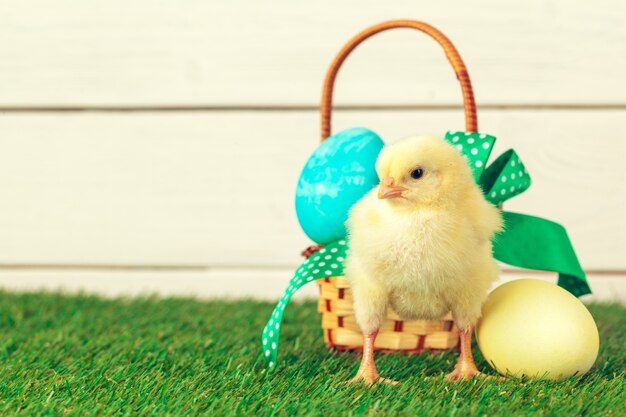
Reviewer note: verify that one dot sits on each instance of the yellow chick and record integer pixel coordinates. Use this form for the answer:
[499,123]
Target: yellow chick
[420,243]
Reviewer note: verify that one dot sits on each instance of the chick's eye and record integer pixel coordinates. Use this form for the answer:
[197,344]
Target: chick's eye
[417,173]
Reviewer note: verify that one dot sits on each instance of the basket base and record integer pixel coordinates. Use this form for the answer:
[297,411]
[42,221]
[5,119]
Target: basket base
[342,333]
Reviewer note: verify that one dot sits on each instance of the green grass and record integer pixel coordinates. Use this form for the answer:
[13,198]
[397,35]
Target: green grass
[84,356]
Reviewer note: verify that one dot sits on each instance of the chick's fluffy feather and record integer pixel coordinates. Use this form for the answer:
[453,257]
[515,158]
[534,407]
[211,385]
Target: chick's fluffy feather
[428,252]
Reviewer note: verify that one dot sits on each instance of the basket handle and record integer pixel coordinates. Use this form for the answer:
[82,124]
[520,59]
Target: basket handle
[471,123]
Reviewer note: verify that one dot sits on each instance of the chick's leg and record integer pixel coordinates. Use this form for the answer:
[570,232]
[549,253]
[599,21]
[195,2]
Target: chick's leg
[465,366]
[367,370]
[370,306]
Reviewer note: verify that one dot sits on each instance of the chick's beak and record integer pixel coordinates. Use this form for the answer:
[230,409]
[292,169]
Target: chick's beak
[387,189]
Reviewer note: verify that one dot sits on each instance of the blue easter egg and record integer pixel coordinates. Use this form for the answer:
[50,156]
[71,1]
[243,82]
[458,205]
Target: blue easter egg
[338,174]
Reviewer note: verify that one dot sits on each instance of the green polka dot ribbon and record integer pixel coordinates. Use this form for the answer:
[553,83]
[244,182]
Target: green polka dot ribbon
[475,147]
[526,242]
[327,262]
[506,177]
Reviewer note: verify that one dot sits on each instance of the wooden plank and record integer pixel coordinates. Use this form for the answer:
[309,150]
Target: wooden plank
[242,52]
[263,284]
[217,188]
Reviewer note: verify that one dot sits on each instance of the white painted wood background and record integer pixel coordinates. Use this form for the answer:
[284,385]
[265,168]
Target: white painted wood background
[155,146]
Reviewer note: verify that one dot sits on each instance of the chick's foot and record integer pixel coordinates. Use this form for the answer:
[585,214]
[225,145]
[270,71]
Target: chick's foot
[367,372]
[465,367]
[464,372]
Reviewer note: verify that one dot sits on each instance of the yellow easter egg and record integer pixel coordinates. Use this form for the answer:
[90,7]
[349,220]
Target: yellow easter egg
[534,328]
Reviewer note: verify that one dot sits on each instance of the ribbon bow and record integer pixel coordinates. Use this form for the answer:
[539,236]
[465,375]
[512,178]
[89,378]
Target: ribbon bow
[527,241]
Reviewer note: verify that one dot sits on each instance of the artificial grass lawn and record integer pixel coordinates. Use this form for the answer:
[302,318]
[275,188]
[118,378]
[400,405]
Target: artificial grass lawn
[84,356]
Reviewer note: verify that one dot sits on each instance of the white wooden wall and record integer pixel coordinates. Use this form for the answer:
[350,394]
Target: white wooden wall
[155,146]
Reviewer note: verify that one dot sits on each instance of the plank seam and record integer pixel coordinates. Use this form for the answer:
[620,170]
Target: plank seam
[298,107]
[206,268]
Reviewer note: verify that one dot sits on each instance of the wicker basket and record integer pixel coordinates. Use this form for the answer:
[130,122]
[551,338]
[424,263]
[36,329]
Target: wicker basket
[342,332]
[335,303]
